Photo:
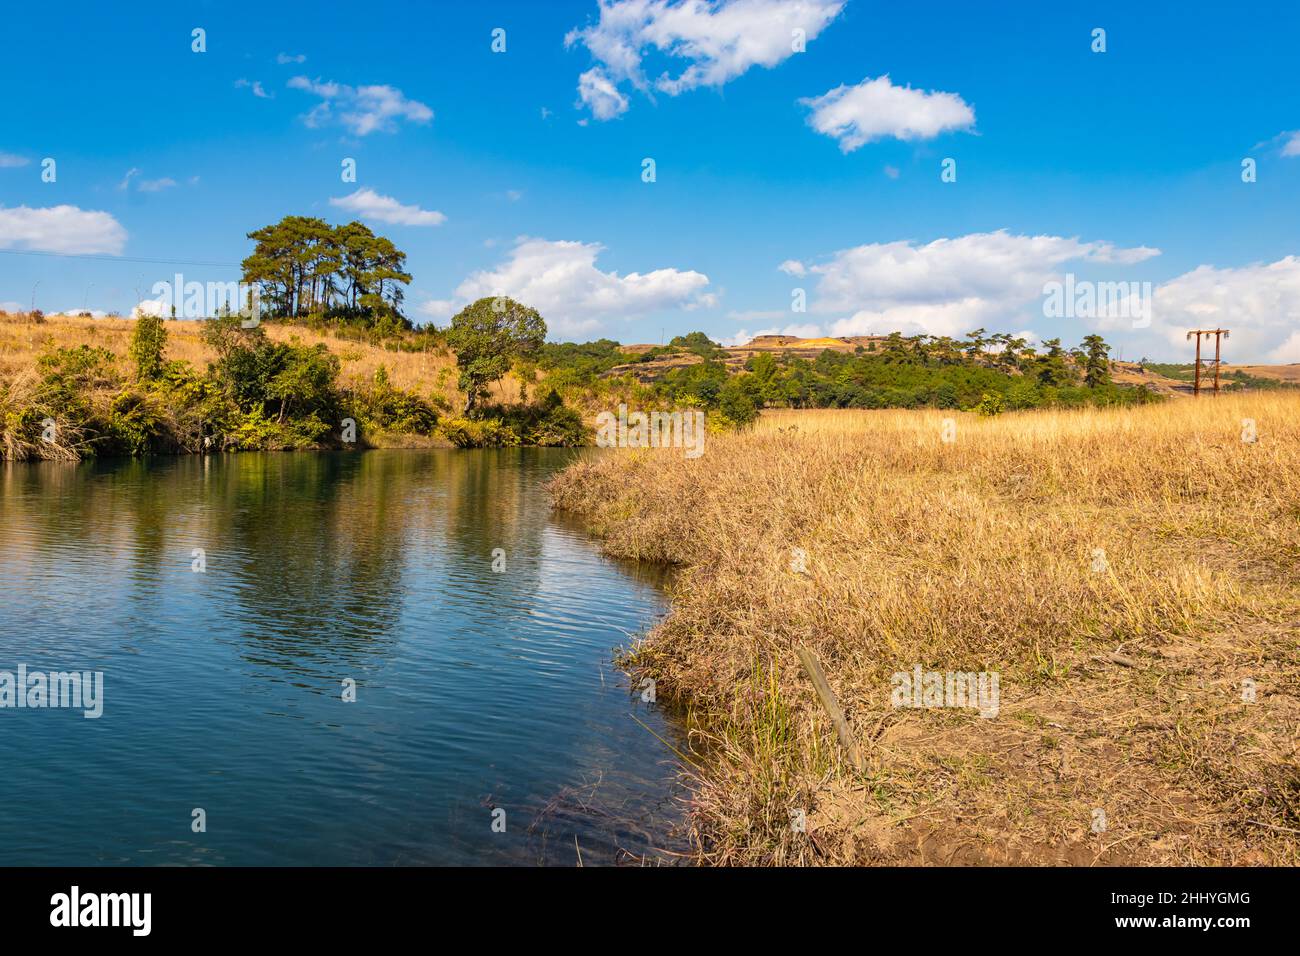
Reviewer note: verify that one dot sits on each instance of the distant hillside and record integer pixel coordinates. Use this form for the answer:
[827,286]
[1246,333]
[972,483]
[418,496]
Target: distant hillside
[653,369]
[656,362]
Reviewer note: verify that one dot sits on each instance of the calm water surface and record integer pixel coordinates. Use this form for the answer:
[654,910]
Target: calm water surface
[222,690]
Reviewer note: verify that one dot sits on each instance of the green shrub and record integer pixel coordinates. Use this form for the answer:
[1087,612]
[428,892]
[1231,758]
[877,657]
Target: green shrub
[990,405]
[136,425]
[383,407]
[547,422]
[148,341]
[477,433]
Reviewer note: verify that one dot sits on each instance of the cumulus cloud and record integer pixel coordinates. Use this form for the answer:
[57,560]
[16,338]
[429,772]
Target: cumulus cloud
[10,161]
[876,109]
[65,229]
[159,308]
[361,110]
[283,58]
[561,280]
[793,267]
[948,286]
[599,94]
[1260,303]
[710,41]
[1292,145]
[369,204]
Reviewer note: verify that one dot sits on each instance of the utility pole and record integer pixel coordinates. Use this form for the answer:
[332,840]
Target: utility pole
[1218,356]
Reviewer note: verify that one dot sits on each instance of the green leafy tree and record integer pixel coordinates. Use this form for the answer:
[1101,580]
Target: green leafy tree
[696,342]
[489,336]
[735,402]
[148,340]
[304,383]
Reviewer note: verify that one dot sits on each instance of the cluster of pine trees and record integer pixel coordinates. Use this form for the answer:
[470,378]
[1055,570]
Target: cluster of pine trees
[308,269]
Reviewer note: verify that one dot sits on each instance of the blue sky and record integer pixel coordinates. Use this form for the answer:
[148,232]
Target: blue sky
[521,172]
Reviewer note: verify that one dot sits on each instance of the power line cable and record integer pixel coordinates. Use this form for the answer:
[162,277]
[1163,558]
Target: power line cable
[95,258]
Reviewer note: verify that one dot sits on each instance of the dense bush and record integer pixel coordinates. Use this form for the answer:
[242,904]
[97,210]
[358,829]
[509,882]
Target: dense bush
[547,422]
[477,433]
[384,407]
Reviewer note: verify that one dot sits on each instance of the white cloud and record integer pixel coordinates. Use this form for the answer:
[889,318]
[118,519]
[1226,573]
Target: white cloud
[361,110]
[368,204]
[712,41]
[600,95]
[64,229]
[284,58]
[256,87]
[1292,145]
[145,185]
[561,280]
[949,286]
[10,161]
[875,109]
[1259,303]
[793,267]
[1111,254]
[94,313]
[158,308]
[438,310]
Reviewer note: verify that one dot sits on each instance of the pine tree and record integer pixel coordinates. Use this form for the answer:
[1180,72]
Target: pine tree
[1097,365]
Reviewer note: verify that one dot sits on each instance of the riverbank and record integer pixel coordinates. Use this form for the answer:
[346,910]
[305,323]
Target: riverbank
[72,387]
[1129,575]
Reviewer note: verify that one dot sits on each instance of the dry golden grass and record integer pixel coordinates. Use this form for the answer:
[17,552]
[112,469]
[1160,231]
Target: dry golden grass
[1121,688]
[1283,373]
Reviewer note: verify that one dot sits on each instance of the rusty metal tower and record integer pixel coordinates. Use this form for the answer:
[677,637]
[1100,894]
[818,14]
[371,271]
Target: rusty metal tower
[1217,333]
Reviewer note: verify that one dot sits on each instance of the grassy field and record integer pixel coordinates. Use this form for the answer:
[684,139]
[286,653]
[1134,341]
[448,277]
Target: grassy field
[1130,575]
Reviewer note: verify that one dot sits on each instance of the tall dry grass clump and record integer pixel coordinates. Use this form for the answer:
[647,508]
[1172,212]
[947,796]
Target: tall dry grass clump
[1130,575]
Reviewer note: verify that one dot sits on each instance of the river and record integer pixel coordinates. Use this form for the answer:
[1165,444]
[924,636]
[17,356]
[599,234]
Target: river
[235,604]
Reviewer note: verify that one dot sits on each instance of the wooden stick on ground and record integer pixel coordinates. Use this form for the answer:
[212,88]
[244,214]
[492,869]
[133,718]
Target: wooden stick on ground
[832,705]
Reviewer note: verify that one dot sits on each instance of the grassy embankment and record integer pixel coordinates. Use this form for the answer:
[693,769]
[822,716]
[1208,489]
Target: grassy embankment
[1122,672]
[379,382]
[22,341]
